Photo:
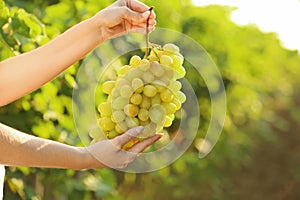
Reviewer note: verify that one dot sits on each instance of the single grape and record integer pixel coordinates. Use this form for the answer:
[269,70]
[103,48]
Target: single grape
[136,72]
[146,102]
[149,130]
[144,65]
[136,99]
[126,91]
[135,61]
[170,108]
[108,86]
[166,95]
[137,85]
[121,82]
[121,127]
[157,69]
[118,116]
[143,115]
[105,109]
[131,122]
[157,114]
[155,100]
[166,60]
[112,134]
[168,122]
[149,91]
[131,110]
[177,103]
[177,60]
[123,70]
[119,103]
[172,48]
[181,96]
[148,77]
[106,124]
[179,72]
[174,86]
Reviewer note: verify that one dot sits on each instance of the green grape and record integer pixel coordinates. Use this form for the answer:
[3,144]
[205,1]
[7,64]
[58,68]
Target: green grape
[170,108]
[166,60]
[131,110]
[136,72]
[157,114]
[126,91]
[105,109]
[179,72]
[118,116]
[121,82]
[121,127]
[149,91]
[177,103]
[137,85]
[181,96]
[160,85]
[172,48]
[131,122]
[153,58]
[115,93]
[149,130]
[95,134]
[174,86]
[146,102]
[119,103]
[106,124]
[135,61]
[166,95]
[112,134]
[123,70]
[136,99]
[108,86]
[172,117]
[168,122]
[143,115]
[148,77]
[144,65]
[177,60]
[155,100]
[157,69]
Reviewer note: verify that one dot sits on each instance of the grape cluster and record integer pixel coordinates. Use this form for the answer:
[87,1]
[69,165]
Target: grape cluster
[145,93]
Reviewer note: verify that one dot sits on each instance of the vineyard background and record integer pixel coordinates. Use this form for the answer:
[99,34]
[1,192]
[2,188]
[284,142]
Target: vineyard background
[257,155]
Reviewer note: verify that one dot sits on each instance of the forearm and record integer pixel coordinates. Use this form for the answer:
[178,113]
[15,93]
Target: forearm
[20,149]
[24,73]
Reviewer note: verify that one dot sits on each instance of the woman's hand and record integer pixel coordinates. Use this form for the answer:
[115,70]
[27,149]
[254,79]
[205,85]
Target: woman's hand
[109,153]
[122,17]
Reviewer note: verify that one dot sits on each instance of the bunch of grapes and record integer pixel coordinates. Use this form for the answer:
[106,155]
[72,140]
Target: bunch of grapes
[145,93]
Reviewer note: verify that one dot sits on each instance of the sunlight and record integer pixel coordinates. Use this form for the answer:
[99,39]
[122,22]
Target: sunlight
[276,16]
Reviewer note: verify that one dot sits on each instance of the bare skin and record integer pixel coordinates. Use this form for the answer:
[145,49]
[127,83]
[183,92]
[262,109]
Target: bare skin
[18,76]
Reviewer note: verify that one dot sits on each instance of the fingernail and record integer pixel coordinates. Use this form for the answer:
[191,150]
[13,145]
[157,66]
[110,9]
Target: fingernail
[139,129]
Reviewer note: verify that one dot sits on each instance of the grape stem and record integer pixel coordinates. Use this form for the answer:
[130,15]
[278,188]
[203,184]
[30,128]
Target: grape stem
[147,33]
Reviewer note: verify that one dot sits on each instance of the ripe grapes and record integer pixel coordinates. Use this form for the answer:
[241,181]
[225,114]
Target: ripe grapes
[146,92]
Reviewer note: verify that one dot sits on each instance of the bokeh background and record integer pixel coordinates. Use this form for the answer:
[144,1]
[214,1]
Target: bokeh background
[257,155]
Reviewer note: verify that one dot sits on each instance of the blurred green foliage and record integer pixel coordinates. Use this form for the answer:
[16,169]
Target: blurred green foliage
[256,156]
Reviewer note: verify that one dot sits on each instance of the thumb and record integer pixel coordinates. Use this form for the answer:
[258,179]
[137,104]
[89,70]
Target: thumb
[129,135]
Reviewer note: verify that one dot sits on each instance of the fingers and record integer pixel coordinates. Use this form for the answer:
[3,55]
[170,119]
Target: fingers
[141,146]
[137,17]
[127,136]
[137,5]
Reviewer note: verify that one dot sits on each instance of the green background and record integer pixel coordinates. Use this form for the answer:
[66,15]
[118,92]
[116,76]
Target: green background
[257,155]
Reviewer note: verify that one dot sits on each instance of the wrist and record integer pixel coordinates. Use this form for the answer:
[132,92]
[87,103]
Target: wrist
[86,160]
[100,28]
